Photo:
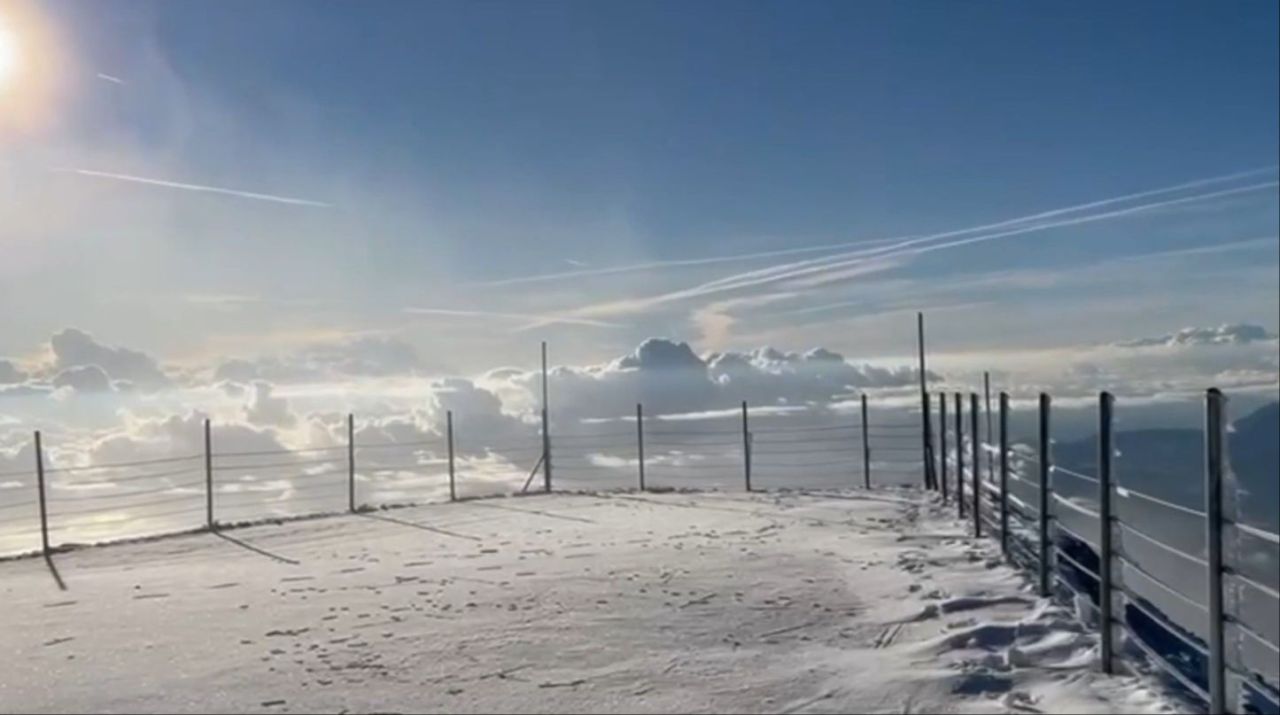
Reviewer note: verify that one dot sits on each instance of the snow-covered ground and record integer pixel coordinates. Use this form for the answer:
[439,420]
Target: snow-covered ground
[675,602]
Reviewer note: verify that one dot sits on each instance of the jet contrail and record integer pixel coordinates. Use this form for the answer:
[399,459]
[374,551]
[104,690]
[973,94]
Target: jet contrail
[539,319]
[682,262]
[110,78]
[677,263]
[198,187]
[908,247]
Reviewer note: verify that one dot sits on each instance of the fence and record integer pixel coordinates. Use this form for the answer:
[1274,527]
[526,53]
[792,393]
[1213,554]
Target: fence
[1220,644]
[213,487]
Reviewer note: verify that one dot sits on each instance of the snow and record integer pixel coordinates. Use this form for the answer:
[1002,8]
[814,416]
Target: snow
[838,601]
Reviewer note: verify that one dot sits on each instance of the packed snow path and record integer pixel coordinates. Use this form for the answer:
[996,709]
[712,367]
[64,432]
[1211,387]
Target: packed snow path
[676,602]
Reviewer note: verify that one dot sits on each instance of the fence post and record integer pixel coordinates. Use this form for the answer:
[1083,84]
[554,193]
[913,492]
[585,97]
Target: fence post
[640,441]
[1105,453]
[351,462]
[546,428]
[942,442]
[1045,465]
[960,453]
[448,422]
[746,446]
[926,436]
[975,457]
[866,446]
[1004,473]
[208,475]
[44,514]
[1215,466]
[986,389]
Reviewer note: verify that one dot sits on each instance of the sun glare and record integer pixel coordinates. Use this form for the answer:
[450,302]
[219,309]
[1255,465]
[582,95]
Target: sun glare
[8,55]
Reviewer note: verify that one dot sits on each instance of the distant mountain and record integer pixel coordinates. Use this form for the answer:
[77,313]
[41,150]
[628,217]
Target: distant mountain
[1169,463]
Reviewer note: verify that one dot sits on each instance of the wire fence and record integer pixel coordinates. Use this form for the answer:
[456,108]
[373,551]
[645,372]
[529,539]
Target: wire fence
[1191,589]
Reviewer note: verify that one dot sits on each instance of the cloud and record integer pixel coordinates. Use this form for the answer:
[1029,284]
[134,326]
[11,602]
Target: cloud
[10,373]
[83,378]
[75,348]
[520,317]
[1225,334]
[267,410]
[198,187]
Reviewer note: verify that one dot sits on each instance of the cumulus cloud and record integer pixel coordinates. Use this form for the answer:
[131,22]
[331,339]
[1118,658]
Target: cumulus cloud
[266,409]
[10,373]
[1226,334]
[74,348]
[83,378]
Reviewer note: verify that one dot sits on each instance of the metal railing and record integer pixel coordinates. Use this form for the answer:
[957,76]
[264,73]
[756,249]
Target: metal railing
[1106,571]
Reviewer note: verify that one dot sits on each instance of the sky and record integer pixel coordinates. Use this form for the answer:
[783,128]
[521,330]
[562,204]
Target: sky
[416,188]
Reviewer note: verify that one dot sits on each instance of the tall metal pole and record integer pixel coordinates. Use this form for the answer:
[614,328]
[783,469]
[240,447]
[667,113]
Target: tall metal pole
[208,475]
[1215,467]
[453,486]
[986,388]
[976,442]
[942,442]
[546,426]
[926,437]
[351,462]
[44,514]
[746,446]
[866,446]
[640,441]
[1045,466]
[959,401]
[1004,473]
[1105,453]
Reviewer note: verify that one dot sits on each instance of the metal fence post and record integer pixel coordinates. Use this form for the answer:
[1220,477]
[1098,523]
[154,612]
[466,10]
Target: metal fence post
[866,446]
[942,442]
[746,446]
[208,475]
[975,440]
[453,488]
[351,462]
[44,514]
[546,427]
[640,442]
[986,389]
[1215,467]
[1105,453]
[926,437]
[960,454]
[1045,465]
[1004,473]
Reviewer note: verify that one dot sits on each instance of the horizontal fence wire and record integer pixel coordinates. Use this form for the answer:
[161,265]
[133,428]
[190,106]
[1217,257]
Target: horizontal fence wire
[1164,665]
[274,465]
[1126,528]
[1130,493]
[272,452]
[1058,499]
[1064,556]
[1159,583]
[791,430]
[57,496]
[1136,602]
[1254,531]
[122,465]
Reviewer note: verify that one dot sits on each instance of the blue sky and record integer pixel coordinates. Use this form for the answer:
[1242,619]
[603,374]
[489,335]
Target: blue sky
[451,145]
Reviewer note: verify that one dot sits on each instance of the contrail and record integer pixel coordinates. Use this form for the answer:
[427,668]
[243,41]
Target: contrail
[753,279]
[539,319]
[676,263]
[110,78]
[198,187]
[682,262]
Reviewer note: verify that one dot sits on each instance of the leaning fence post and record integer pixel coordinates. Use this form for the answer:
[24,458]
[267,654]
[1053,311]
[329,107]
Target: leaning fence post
[1004,473]
[942,441]
[208,474]
[959,400]
[1105,453]
[640,442]
[866,446]
[1045,466]
[976,443]
[1215,466]
[453,489]
[351,462]
[44,514]
[746,446]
